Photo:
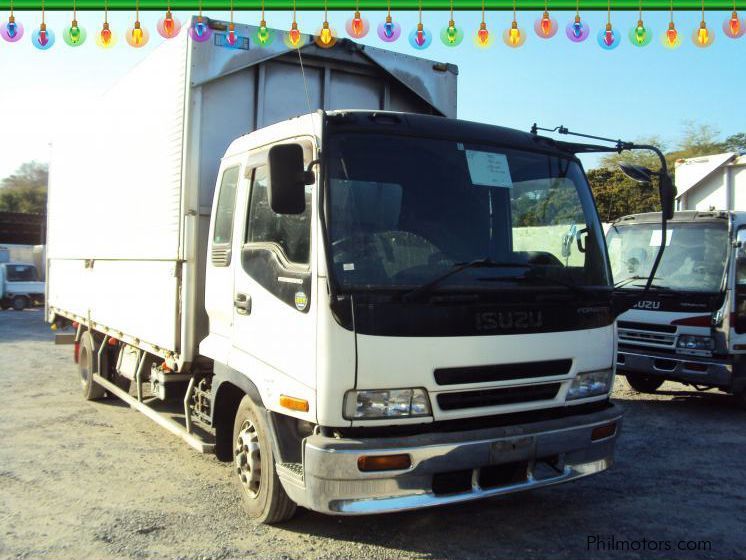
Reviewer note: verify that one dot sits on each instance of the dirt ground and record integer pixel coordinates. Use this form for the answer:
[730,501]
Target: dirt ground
[98,480]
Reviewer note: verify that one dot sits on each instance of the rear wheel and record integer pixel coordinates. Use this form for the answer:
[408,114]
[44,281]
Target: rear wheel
[264,497]
[644,383]
[19,303]
[87,367]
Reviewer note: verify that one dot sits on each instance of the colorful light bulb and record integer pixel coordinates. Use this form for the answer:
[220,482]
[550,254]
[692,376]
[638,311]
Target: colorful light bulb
[264,35]
[670,38]
[74,35]
[43,38]
[577,30]
[357,26]
[106,38]
[137,36]
[546,27]
[639,35]
[483,36]
[702,37]
[389,31]
[513,37]
[11,31]
[200,31]
[231,37]
[451,35]
[294,35]
[420,38]
[608,39]
[733,27]
[168,26]
[325,38]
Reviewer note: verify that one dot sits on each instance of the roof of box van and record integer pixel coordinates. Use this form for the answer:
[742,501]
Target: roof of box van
[682,216]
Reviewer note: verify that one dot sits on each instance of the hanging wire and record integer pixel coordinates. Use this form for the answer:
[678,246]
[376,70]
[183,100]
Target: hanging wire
[388,8]
[514,10]
[703,11]
[420,9]
[482,11]
[608,13]
[451,10]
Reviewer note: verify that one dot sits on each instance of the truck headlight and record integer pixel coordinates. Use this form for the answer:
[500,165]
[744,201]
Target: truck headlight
[386,403]
[692,342]
[590,384]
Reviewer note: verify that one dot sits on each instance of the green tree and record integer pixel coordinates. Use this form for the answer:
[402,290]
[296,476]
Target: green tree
[638,157]
[616,195]
[25,190]
[736,143]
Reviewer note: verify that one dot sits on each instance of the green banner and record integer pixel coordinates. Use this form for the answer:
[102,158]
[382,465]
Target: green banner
[396,5]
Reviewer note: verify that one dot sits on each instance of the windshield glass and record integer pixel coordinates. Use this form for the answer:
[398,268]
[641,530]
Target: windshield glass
[20,273]
[693,260]
[404,210]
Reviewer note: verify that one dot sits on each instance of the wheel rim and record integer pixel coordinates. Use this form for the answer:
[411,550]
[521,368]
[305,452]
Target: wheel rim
[85,373]
[248,458]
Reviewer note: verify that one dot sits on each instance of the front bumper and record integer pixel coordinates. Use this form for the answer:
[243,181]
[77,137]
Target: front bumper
[332,482]
[687,369]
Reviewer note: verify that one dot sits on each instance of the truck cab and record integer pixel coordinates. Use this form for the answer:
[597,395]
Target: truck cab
[690,325]
[407,303]
[20,286]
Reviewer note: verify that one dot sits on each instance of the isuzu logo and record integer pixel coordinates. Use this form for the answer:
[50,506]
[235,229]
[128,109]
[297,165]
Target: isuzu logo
[647,304]
[506,320]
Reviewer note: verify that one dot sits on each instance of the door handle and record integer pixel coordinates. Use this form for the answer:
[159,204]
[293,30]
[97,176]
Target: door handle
[242,303]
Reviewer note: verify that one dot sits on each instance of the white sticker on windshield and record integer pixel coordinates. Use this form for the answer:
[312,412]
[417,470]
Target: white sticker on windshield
[656,235]
[489,169]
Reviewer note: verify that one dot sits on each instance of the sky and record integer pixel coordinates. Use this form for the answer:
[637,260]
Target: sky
[628,93]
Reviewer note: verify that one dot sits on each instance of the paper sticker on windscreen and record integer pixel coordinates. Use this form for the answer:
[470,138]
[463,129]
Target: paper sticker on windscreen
[489,169]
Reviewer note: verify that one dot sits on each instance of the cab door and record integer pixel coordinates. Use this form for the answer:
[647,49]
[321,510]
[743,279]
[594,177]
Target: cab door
[737,286]
[274,313]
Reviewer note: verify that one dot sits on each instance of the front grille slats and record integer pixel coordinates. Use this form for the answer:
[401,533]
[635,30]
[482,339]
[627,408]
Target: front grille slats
[497,397]
[501,372]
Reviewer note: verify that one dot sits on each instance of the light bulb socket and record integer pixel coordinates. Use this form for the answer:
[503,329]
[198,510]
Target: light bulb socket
[137,24]
[12,19]
[43,27]
[388,19]
[420,27]
[231,26]
[483,26]
[702,25]
[74,23]
[514,25]
[671,26]
[106,26]
[262,23]
[577,19]
[357,14]
[608,27]
[451,23]
[294,26]
[639,23]
[546,14]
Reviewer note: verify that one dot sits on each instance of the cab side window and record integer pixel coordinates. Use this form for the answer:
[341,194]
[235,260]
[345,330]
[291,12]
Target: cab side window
[290,234]
[222,235]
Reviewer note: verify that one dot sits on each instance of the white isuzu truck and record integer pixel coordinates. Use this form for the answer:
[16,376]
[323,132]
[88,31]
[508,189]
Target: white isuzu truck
[365,310]
[690,326]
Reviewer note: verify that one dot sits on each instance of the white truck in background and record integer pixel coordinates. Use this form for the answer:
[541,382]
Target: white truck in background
[20,286]
[690,326]
[364,310]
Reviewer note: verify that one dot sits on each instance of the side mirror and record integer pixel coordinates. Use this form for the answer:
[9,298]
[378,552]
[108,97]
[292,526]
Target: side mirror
[637,172]
[644,175]
[288,179]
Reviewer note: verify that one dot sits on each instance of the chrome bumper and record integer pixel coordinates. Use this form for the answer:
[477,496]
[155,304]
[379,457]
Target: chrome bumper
[333,483]
[688,369]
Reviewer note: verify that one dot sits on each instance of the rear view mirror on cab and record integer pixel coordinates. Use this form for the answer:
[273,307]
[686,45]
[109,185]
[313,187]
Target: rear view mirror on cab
[288,179]
[644,175]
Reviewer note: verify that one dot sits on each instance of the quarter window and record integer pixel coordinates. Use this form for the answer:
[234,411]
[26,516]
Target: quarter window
[223,233]
[291,234]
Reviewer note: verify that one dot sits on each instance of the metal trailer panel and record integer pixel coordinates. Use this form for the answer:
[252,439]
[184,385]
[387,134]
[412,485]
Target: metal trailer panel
[133,184]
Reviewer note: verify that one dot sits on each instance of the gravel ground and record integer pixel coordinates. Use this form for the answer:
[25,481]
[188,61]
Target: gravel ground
[98,480]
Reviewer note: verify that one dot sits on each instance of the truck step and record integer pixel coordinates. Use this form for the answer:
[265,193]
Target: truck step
[159,418]
[293,471]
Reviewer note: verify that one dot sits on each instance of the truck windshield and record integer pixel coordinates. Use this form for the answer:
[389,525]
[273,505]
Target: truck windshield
[404,210]
[694,259]
[20,273]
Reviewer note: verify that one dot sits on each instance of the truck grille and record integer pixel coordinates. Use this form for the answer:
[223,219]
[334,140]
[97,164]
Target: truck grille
[496,397]
[502,372]
[661,336]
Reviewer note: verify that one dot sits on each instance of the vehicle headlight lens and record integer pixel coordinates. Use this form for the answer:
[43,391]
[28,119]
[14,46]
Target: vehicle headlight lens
[386,403]
[691,342]
[590,384]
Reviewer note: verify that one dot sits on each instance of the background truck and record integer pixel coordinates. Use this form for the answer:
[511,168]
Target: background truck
[365,311]
[20,286]
[691,326]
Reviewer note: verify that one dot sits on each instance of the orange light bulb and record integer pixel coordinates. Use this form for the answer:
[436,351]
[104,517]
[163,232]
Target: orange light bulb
[294,34]
[672,35]
[546,24]
[735,24]
[483,35]
[357,24]
[106,34]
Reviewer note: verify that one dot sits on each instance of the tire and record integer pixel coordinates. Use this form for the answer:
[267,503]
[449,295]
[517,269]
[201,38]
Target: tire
[19,303]
[264,497]
[644,383]
[86,367]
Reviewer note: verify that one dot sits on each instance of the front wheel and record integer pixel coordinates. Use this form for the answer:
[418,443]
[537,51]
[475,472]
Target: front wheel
[644,383]
[19,303]
[264,497]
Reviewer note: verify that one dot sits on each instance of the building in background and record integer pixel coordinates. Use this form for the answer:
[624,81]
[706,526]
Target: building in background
[716,182]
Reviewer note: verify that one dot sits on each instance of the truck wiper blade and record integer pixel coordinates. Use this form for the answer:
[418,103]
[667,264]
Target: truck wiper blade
[631,279]
[458,267]
[538,279]
[658,287]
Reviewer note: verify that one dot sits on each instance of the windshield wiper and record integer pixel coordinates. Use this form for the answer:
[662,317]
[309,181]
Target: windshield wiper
[458,267]
[631,279]
[538,279]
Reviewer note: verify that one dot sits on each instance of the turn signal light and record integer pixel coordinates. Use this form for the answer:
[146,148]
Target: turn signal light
[294,403]
[603,432]
[373,463]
